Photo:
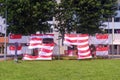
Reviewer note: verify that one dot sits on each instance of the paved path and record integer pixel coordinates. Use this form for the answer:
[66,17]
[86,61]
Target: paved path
[114,56]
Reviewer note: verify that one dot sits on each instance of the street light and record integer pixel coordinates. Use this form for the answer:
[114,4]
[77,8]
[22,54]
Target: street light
[55,23]
[5,45]
[112,36]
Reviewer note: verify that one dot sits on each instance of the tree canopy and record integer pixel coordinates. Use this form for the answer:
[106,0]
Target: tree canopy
[83,16]
[28,16]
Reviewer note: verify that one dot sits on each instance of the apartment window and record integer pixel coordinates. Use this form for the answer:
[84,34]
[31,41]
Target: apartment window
[119,8]
[117,30]
[115,46]
[110,30]
[117,19]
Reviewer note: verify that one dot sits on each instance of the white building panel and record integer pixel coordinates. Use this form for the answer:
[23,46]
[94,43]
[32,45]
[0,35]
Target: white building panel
[110,25]
[24,39]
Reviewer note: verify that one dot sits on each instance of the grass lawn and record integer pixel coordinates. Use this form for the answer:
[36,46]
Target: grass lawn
[61,70]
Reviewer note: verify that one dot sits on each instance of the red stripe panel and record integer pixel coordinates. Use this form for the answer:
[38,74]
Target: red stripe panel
[83,35]
[46,50]
[12,47]
[82,46]
[36,34]
[52,44]
[80,41]
[102,36]
[102,49]
[15,36]
[71,41]
[71,35]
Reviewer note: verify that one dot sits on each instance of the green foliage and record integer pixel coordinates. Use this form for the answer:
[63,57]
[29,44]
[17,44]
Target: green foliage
[84,16]
[28,16]
[2,8]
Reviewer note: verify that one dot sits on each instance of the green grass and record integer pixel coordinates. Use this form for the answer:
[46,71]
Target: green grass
[61,70]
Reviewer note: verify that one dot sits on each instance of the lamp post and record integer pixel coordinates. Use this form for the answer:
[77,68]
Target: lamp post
[5,45]
[112,36]
[58,34]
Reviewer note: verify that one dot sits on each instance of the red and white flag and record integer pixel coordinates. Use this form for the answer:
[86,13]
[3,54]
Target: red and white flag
[81,40]
[35,41]
[12,50]
[99,39]
[45,53]
[15,38]
[83,47]
[102,50]
[70,39]
[30,57]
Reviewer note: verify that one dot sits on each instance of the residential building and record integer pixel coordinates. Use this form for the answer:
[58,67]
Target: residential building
[113,29]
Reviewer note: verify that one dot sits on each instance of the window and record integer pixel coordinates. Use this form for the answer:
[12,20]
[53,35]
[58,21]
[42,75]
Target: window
[117,19]
[110,30]
[119,8]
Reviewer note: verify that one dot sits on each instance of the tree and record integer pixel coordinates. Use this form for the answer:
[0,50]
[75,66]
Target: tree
[28,16]
[2,8]
[83,16]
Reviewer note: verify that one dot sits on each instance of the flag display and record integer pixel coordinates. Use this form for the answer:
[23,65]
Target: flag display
[102,50]
[81,40]
[15,38]
[45,50]
[12,49]
[83,47]
[35,41]
[70,39]
[99,39]
[45,53]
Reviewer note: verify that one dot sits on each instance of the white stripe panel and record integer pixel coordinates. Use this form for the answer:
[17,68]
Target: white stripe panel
[83,43]
[71,38]
[83,54]
[47,47]
[69,43]
[84,48]
[13,52]
[82,38]
[35,37]
[101,53]
[44,53]
[48,36]
[32,47]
